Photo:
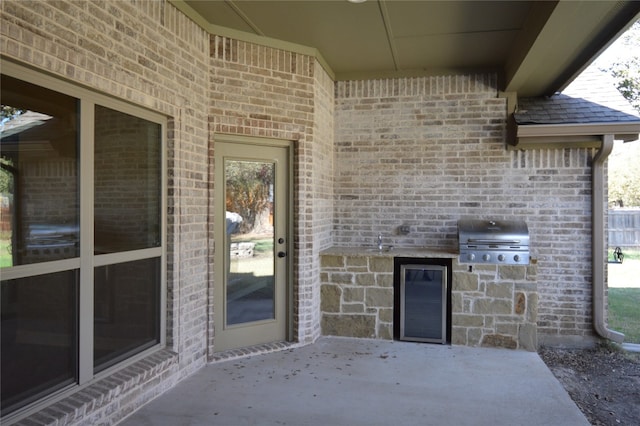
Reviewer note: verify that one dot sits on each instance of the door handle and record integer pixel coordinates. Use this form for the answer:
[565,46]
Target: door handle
[282,254]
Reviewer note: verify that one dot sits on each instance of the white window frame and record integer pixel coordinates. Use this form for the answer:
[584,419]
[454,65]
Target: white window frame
[87,260]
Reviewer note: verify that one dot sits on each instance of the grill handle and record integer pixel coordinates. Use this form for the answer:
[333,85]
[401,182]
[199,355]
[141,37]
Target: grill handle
[492,242]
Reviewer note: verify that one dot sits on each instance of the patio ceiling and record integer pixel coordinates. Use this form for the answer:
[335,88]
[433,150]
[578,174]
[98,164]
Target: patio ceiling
[537,47]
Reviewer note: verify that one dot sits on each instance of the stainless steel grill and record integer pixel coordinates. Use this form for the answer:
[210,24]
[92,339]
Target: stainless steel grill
[493,241]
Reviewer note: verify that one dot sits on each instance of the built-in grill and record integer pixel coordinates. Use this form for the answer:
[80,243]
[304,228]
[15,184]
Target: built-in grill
[493,241]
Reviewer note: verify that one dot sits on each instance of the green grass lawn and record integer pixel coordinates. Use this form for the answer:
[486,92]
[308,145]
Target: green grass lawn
[263,246]
[5,253]
[624,296]
[628,254]
[624,312]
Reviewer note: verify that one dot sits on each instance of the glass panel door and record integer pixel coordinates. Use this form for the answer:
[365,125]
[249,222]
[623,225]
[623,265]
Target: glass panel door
[251,281]
[250,237]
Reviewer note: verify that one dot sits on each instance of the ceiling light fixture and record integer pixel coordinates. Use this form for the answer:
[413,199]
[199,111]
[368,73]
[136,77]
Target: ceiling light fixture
[356,1]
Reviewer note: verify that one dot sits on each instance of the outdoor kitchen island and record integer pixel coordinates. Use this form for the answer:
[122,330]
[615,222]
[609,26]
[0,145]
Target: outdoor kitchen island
[491,305]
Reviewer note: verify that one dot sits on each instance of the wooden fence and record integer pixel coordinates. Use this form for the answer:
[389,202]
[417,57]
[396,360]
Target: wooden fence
[624,228]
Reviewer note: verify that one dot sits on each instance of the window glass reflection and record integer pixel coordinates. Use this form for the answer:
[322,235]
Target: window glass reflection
[39,336]
[38,174]
[127,182]
[126,310]
[250,283]
[40,202]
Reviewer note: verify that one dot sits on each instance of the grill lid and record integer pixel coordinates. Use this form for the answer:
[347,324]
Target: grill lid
[493,241]
[493,232]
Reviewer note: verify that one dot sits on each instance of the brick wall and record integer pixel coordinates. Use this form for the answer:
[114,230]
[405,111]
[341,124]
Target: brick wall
[47,194]
[369,156]
[260,91]
[556,199]
[420,152]
[426,152]
[127,173]
[150,54]
[320,213]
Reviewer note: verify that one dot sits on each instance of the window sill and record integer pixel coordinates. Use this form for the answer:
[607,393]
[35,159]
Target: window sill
[121,392]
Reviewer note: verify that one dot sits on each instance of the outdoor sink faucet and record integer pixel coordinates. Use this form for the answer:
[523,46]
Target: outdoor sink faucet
[379,241]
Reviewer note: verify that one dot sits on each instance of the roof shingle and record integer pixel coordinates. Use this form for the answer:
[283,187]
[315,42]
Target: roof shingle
[591,98]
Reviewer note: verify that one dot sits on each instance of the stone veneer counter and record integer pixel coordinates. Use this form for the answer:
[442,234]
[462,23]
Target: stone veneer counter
[491,305]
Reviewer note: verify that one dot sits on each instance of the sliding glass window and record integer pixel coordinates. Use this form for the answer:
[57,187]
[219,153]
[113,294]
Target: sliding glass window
[127,202]
[81,235]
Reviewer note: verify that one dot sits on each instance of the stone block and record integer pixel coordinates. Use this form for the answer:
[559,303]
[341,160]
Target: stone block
[485,269]
[356,261]
[381,264]
[528,337]
[499,341]
[467,321]
[456,303]
[492,307]
[379,297]
[353,308]
[501,290]
[341,278]
[328,261]
[349,325]
[330,298]
[484,278]
[464,281]
[365,279]
[532,308]
[473,336]
[532,272]
[489,321]
[385,331]
[520,303]
[512,272]
[458,336]
[353,294]
[466,304]
[385,315]
[384,280]
[507,329]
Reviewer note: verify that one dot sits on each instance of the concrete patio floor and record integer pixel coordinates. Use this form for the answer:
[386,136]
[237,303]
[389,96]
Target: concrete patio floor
[339,381]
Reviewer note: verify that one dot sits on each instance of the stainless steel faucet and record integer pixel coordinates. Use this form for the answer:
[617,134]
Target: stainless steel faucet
[379,241]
